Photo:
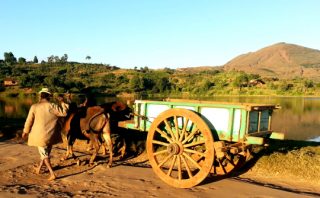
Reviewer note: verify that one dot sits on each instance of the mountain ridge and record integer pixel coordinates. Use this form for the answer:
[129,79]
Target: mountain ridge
[281,59]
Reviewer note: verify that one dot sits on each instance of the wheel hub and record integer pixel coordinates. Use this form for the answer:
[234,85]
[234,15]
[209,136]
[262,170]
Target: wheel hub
[173,149]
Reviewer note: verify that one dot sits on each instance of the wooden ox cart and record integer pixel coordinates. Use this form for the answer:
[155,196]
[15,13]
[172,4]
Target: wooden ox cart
[187,139]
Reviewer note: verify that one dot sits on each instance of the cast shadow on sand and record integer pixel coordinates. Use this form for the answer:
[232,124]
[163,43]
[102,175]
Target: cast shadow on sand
[135,142]
[279,146]
[80,164]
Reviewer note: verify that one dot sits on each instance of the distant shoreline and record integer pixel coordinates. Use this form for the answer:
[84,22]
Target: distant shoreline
[133,95]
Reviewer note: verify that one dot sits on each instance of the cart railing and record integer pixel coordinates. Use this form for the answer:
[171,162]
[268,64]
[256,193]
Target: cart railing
[234,122]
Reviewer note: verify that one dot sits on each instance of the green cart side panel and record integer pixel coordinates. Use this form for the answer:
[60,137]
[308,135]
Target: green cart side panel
[236,126]
[239,125]
[230,122]
[224,122]
[243,127]
[218,120]
[152,112]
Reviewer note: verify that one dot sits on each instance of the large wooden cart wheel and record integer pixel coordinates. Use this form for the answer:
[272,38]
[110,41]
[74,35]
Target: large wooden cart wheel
[229,162]
[180,148]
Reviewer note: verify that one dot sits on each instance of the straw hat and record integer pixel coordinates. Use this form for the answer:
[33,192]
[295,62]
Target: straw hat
[45,90]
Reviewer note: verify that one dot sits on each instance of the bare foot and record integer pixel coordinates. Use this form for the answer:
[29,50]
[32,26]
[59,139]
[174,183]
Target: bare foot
[64,158]
[37,170]
[52,177]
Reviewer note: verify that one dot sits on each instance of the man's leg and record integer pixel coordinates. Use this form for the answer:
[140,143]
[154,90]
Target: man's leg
[48,164]
[45,153]
[38,169]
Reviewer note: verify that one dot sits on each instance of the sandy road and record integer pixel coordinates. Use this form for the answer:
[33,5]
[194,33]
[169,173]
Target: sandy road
[18,180]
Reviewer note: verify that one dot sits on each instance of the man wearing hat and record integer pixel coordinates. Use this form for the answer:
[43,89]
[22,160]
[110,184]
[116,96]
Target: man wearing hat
[41,127]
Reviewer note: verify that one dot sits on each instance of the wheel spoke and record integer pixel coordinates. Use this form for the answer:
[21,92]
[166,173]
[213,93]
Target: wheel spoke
[164,161]
[194,152]
[190,135]
[215,169]
[172,164]
[194,144]
[179,168]
[160,152]
[184,129]
[169,129]
[164,135]
[187,167]
[175,120]
[230,160]
[221,165]
[160,143]
[214,164]
[193,161]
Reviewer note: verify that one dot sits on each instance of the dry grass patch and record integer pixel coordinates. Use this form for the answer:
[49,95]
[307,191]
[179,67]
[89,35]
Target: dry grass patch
[293,160]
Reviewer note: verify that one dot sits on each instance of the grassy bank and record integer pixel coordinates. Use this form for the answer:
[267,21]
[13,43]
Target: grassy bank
[288,161]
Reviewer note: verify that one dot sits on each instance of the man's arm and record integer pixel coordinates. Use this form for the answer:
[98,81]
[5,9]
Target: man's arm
[29,122]
[60,110]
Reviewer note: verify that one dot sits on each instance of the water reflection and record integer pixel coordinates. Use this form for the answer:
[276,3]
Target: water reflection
[317,139]
[298,117]
[15,107]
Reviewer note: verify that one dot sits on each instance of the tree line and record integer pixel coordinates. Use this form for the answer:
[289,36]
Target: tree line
[62,75]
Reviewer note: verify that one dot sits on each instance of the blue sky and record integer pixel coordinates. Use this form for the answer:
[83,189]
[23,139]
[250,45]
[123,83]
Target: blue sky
[154,33]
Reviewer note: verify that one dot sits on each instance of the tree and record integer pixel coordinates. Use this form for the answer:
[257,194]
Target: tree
[88,58]
[54,82]
[110,77]
[147,83]
[31,80]
[51,59]
[168,70]
[22,60]
[56,59]
[122,79]
[35,59]
[144,69]
[163,84]
[241,81]
[206,85]
[64,58]
[9,58]
[308,84]
[285,86]
[136,84]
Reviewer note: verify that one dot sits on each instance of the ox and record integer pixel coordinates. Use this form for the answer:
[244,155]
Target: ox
[94,124]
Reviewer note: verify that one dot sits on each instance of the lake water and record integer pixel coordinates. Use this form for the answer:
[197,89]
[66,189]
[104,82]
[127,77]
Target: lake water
[298,118]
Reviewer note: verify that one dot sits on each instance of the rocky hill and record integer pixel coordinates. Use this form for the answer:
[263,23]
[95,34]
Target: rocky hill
[281,60]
